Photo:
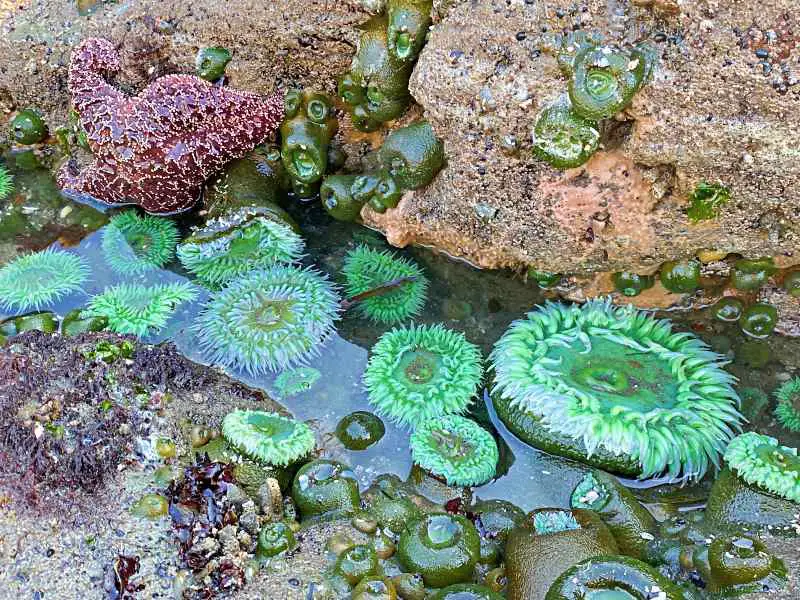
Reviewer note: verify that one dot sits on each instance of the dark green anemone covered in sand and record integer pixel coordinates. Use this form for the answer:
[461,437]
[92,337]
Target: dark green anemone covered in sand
[734,565]
[230,246]
[210,62]
[413,155]
[456,449]
[787,411]
[563,138]
[336,195]
[325,489]
[366,269]
[378,189]
[268,437]
[408,25]
[620,381]
[306,133]
[268,320]
[375,89]
[419,373]
[613,578]
[134,244]
[28,127]
[441,547]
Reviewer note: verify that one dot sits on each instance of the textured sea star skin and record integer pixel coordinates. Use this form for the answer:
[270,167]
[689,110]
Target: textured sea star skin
[157,148]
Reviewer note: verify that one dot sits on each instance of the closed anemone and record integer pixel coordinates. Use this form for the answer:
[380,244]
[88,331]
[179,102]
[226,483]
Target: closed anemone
[232,245]
[39,279]
[268,437]
[563,138]
[135,245]
[6,183]
[620,380]
[419,373]
[366,269]
[456,449]
[139,309]
[269,320]
[787,410]
[761,461]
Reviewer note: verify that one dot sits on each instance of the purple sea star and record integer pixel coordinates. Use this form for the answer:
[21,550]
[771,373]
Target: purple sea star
[157,148]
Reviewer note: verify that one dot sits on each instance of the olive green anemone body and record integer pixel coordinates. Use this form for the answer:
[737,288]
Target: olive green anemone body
[419,373]
[680,277]
[613,578]
[563,138]
[134,245]
[761,461]
[236,243]
[734,565]
[408,25]
[366,269]
[620,381]
[210,62]
[750,275]
[494,520]
[759,320]
[455,448]
[632,284]
[631,523]
[356,563]
[255,182]
[375,89]
[336,196]
[269,437]
[442,547]
[359,430]
[28,127]
[549,542]
[787,410]
[377,188]
[274,539]
[325,489]
[306,132]
[413,155]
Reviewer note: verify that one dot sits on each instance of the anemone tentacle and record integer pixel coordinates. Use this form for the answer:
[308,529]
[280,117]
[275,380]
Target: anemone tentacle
[36,280]
[6,183]
[619,379]
[419,373]
[787,410]
[268,437]
[760,460]
[134,245]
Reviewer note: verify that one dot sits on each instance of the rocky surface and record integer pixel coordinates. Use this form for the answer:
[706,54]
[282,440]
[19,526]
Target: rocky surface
[715,111]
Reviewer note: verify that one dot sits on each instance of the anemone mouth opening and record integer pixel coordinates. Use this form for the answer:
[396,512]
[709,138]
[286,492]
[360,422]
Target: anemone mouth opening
[243,243]
[304,165]
[441,532]
[271,314]
[276,429]
[452,446]
[602,86]
[554,521]
[317,111]
[774,455]
[404,44]
[419,367]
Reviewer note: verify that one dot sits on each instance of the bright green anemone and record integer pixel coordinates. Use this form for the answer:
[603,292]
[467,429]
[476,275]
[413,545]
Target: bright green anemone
[234,244]
[6,183]
[456,449]
[554,521]
[139,309]
[788,409]
[620,380]
[563,138]
[296,381]
[366,269]
[761,461]
[134,245]
[268,320]
[268,437]
[36,280]
[419,373]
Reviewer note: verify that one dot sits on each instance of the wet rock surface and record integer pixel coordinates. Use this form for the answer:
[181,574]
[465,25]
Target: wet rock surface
[714,112]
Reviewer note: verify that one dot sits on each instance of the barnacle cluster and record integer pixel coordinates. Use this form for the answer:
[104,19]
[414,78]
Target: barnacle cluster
[36,280]
[419,373]
[618,380]
[366,269]
[602,81]
[409,158]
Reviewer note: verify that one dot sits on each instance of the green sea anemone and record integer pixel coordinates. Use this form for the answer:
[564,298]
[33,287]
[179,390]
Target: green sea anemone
[269,320]
[38,279]
[366,269]
[632,284]
[229,247]
[563,138]
[139,309]
[706,201]
[791,283]
[788,409]
[759,320]
[210,62]
[545,522]
[296,381]
[325,489]
[274,539]
[761,461]
[620,380]
[456,449]
[750,275]
[268,437]
[359,430]
[728,309]
[6,183]
[680,277]
[735,565]
[28,127]
[419,373]
[134,245]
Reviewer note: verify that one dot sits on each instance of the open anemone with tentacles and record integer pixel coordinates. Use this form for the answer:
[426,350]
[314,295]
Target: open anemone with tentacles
[619,381]
[39,279]
[456,449]
[761,461]
[269,320]
[419,373]
[268,437]
[134,245]
[6,183]
[139,309]
[236,243]
[366,269]
[787,410]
